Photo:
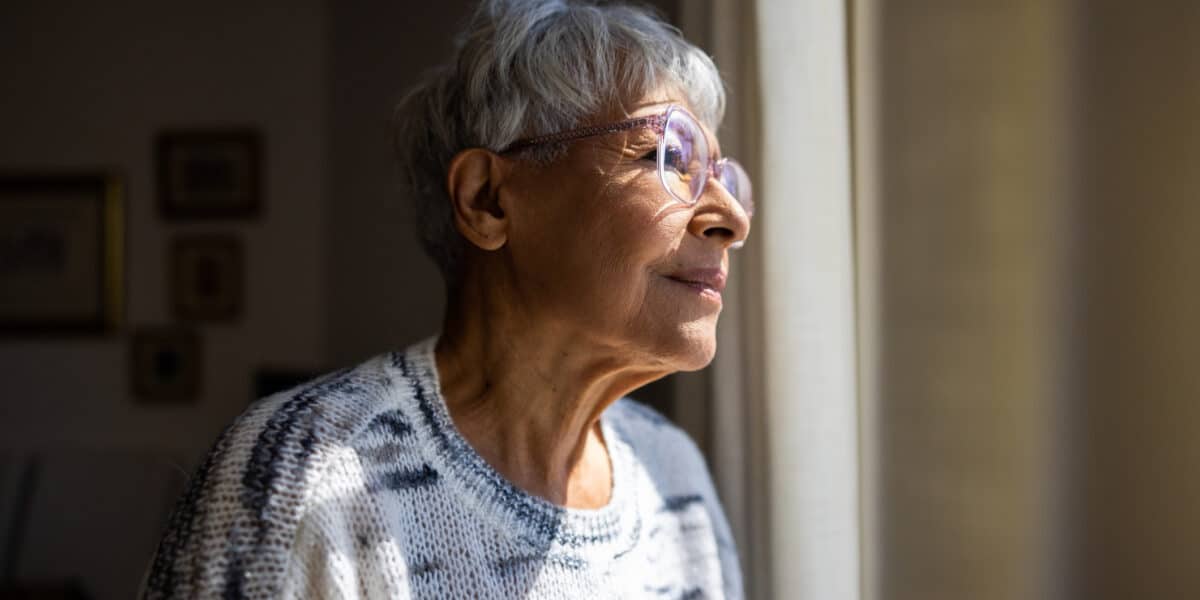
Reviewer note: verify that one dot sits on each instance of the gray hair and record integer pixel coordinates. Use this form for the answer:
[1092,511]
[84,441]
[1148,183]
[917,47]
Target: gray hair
[531,67]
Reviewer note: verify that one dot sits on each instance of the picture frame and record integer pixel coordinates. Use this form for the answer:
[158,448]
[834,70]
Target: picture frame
[165,365]
[209,174]
[62,244]
[207,277]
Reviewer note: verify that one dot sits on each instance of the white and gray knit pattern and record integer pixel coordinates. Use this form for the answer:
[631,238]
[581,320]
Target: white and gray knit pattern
[358,485]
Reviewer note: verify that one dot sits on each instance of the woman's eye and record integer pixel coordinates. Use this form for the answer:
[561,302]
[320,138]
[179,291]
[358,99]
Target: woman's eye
[675,160]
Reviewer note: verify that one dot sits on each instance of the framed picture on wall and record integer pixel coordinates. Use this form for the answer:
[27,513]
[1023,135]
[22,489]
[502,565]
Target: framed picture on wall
[165,365]
[209,174]
[61,253]
[207,277]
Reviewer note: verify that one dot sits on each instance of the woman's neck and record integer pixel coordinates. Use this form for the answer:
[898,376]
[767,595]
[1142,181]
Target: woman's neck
[528,394]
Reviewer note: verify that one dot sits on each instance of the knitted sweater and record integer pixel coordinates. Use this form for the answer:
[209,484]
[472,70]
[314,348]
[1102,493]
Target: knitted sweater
[358,485]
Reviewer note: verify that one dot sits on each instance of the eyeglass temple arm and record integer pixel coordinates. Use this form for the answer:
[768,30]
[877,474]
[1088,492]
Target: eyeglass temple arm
[654,121]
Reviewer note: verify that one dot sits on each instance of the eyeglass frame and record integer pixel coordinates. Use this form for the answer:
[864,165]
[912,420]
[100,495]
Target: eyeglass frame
[657,123]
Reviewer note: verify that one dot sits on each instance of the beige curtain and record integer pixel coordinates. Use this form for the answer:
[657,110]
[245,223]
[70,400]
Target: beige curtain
[785,412]
[900,334]
[1028,283]
[1008,407]
[962,145]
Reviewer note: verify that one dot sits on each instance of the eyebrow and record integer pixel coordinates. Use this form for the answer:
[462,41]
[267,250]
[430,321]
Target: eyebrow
[642,136]
[654,122]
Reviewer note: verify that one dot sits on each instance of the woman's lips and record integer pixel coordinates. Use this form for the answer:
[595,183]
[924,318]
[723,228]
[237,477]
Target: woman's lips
[708,282]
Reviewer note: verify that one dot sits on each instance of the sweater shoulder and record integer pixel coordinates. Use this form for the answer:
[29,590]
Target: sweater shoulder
[639,421]
[682,482]
[316,418]
[240,509]
[350,421]
[666,450]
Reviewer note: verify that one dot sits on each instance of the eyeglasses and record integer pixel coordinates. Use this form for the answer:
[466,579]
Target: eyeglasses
[684,161]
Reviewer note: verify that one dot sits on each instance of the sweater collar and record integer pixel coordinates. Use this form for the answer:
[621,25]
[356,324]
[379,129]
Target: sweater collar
[532,520]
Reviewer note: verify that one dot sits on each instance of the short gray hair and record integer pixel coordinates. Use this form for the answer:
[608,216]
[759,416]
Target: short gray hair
[532,67]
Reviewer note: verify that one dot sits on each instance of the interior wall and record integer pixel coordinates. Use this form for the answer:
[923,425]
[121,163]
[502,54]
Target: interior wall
[89,85]
[383,292]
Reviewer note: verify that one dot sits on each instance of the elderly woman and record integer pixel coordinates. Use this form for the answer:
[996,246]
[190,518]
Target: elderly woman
[570,188]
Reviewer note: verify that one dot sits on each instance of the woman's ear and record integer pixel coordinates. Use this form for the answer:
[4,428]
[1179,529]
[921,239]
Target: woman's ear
[473,180]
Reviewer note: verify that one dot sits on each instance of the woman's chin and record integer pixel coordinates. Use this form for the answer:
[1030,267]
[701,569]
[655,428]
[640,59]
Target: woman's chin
[694,349]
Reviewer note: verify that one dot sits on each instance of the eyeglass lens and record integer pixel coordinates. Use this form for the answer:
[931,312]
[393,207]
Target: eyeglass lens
[683,163]
[682,159]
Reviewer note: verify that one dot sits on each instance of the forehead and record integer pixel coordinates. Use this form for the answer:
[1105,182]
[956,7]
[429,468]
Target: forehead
[655,102]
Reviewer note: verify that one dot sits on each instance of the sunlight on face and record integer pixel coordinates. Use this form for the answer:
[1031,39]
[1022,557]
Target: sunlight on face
[600,247]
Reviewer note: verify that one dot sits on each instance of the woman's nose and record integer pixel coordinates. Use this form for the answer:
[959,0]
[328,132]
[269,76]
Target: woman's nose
[719,216]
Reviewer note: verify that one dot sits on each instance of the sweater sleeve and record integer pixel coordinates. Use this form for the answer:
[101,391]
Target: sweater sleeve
[731,571]
[678,467]
[698,474]
[317,566]
[233,527]
[343,547]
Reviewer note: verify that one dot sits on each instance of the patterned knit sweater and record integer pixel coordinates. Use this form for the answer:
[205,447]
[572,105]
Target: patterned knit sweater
[358,485]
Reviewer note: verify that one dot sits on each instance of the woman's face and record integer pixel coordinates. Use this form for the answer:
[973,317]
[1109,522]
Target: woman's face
[602,249]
